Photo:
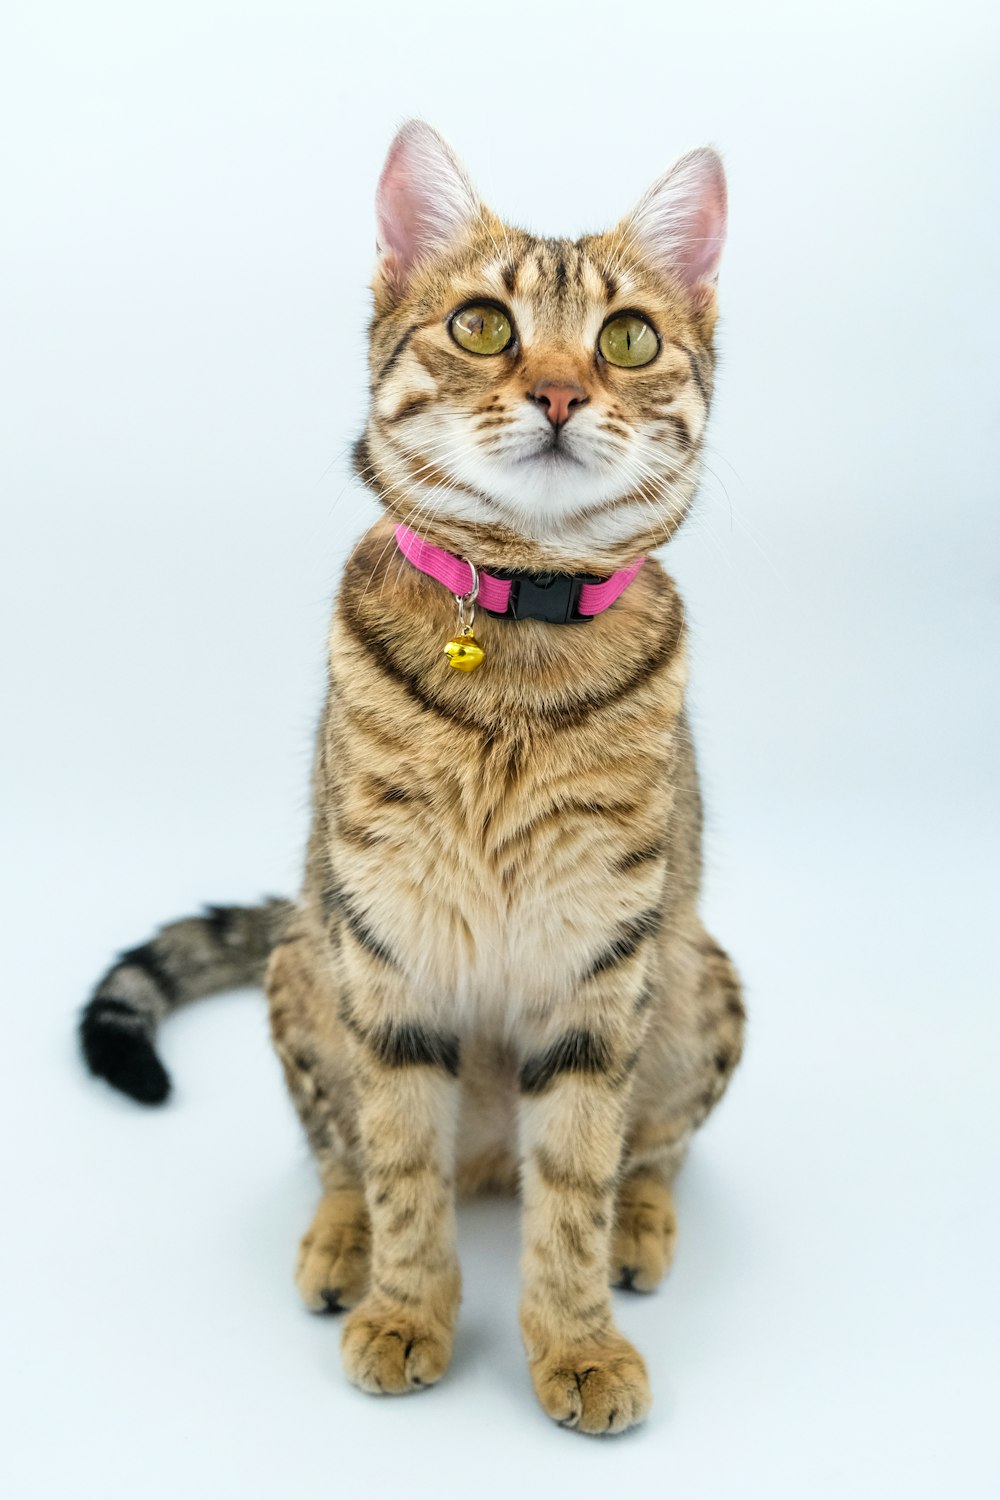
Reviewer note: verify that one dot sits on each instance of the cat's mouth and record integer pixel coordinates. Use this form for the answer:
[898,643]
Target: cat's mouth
[551,454]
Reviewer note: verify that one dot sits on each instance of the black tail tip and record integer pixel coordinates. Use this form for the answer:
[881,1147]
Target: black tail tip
[125,1057]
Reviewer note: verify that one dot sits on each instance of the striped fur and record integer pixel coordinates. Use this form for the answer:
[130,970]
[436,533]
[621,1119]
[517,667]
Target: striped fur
[495,973]
[186,960]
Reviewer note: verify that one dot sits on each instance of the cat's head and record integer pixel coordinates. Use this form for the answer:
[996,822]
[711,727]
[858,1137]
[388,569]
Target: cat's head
[539,401]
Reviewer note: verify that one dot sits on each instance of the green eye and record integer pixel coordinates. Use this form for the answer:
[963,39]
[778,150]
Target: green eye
[628,340]
[481,329]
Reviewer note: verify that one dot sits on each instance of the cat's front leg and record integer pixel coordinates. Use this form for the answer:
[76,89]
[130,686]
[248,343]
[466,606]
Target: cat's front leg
[574,1089]
[399,1337]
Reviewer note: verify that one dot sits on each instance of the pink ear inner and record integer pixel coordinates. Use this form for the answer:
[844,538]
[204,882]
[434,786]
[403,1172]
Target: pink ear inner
[424,200]
[681,220]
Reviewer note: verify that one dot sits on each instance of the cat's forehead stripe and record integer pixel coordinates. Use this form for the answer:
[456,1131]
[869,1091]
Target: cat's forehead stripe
[558,270]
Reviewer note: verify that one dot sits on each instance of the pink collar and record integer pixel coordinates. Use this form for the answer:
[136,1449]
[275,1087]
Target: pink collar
[559,598]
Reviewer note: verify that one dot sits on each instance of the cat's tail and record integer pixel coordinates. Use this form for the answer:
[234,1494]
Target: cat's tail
[225,948]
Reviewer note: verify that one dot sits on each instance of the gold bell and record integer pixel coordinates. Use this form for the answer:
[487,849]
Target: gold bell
[464,652]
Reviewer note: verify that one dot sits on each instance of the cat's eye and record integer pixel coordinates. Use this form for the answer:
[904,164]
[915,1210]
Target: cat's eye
[628,340]
[481,328]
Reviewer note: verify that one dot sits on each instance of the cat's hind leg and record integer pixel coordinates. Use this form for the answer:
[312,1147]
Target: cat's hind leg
[332,1271]
[333,1264]
[693,1044]
[645,1233]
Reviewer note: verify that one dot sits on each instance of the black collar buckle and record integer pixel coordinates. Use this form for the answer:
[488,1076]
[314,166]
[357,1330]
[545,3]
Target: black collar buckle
[552,597]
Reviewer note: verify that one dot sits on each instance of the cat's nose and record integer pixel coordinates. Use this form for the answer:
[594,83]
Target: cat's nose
[559,402]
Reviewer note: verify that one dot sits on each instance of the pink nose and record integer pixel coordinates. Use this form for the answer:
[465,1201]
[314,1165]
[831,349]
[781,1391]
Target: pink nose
[558,401]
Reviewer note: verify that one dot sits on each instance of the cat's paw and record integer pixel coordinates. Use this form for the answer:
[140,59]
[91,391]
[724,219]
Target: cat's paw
[391,1348]
[332,1269]
[645,1234]
[601,1388]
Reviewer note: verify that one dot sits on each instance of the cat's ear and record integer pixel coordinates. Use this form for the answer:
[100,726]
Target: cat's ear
[680,223]
[424,203]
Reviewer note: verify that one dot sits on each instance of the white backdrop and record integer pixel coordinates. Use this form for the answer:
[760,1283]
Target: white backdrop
[186,241]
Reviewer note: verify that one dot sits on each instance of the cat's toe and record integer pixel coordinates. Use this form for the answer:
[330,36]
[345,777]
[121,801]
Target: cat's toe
[644,1240]
[332,1269]
[602,1388]
[389,1349]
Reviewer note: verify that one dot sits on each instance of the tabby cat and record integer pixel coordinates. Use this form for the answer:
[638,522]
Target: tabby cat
[495,975]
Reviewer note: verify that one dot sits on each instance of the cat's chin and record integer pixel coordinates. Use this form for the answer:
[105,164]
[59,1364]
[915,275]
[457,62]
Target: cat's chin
[568,504]
[552,489]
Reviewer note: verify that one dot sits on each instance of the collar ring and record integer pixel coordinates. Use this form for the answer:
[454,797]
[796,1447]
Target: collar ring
[467,602]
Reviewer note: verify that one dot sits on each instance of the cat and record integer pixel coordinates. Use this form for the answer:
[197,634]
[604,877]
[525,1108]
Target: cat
[495,975]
